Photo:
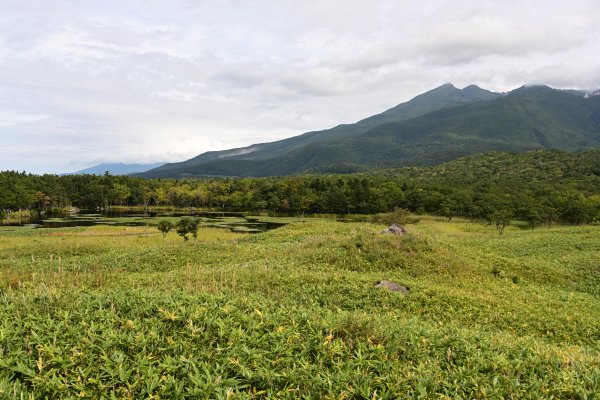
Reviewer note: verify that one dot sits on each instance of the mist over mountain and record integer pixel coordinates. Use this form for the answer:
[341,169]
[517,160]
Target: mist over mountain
[434,127]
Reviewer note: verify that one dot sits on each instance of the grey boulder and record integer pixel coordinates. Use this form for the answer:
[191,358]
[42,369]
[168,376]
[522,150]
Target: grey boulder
[395,229]
[391,286]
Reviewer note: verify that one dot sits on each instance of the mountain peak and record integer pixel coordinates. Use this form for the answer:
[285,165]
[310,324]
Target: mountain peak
[533,87]
[541,90]
[476,93]
[445,87]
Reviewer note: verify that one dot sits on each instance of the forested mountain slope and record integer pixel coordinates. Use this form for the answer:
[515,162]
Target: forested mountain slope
[218,162]
[529,118]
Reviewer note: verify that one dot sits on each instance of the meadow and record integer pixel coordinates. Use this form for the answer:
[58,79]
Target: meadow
[119,312]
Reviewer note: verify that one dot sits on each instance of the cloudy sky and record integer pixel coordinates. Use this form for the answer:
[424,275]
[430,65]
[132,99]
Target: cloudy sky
[84,82]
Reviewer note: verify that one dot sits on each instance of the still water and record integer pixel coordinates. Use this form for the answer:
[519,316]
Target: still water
[236,222]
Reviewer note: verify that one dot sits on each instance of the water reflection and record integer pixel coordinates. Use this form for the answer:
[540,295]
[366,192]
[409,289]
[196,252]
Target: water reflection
[234,221]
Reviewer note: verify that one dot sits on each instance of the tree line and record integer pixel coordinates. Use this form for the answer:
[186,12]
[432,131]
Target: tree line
[538,187]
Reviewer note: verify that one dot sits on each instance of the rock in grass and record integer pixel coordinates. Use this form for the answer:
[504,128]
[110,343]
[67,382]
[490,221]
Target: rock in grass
[391,286]
[395,229]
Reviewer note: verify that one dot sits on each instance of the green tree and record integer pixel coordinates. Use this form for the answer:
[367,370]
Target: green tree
[165,226]
[187,225]
[501,218]
[120,193]
[576,209]
[42,200]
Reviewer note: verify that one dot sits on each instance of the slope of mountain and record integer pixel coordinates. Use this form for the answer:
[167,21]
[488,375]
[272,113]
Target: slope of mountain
[438,126]
[580,169]
[444,96]
[116,169]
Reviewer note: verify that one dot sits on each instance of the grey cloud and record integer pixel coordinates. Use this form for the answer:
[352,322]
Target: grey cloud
[114,81]
[471,41]
[243,75]
[560,76]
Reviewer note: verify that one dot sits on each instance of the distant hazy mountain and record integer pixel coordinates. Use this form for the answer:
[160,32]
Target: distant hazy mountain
[116,169]
[437,126]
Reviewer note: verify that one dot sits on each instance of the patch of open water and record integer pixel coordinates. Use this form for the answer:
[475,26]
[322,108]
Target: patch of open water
[236,222]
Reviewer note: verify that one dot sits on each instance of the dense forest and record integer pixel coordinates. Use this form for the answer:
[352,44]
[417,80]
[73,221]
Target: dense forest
[538,187]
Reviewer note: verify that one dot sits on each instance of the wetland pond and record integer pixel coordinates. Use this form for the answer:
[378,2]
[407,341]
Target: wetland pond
[236,222]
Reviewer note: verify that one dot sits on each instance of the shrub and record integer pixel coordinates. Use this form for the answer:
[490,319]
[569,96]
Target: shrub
[400,216]
[187,225]
[165,227]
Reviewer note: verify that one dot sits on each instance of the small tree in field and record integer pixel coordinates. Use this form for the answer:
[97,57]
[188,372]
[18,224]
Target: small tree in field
[187,225]
[501,218]
[165,227]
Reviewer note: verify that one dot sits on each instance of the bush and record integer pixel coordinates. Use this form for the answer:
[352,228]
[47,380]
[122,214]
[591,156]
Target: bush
[400,216]
[165,227]
[187,225]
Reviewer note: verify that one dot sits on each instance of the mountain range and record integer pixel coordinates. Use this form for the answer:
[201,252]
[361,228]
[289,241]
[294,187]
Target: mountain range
[437,126]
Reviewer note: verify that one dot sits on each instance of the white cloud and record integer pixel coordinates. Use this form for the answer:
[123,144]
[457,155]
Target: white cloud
[139,81]
[9,118]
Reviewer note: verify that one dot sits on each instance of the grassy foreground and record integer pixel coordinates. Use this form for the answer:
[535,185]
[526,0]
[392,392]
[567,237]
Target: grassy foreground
[118,312]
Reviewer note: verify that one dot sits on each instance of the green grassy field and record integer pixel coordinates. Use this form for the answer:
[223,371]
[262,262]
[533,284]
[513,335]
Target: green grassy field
[118,312]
